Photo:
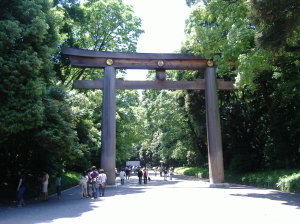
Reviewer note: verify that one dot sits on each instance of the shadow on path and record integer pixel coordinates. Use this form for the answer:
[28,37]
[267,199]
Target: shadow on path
[286,198]
[71,206]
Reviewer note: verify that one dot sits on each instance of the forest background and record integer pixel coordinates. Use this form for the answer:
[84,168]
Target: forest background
[46,125]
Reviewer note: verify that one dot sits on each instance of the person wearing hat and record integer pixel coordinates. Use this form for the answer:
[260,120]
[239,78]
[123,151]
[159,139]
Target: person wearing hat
[102,182]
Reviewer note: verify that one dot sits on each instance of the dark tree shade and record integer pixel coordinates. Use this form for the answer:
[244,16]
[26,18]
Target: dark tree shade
[278,19]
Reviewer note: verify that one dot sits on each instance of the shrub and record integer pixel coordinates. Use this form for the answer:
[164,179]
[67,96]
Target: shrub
[192,171]
[68,180]
[290,183]
[284,180]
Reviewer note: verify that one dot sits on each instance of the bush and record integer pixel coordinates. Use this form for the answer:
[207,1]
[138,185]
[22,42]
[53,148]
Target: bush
[290,183]
[284,180]
[68,180]
[192,171]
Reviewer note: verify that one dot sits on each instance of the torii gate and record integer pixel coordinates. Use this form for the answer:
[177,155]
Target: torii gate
[110,61]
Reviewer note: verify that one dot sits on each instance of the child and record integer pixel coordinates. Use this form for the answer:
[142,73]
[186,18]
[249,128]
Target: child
[83,184]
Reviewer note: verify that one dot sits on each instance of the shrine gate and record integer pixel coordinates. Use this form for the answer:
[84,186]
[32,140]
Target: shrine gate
[110,61]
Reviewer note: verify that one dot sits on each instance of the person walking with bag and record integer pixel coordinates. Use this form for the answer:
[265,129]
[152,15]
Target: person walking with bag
[94,176]
[102,182]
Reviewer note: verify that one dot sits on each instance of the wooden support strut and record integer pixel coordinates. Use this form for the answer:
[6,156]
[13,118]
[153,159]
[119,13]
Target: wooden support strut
[198,84]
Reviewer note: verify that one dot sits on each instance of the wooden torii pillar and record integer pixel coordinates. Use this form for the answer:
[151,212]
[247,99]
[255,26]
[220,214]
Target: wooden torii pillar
[110,61]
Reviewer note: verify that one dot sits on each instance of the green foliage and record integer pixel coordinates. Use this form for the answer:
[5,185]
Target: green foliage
[165,128]
[103,25]
[277,20]
[26,45]
[192,171]
[128,134]
[284,180]
[290,183]
[259,122]
[69,179]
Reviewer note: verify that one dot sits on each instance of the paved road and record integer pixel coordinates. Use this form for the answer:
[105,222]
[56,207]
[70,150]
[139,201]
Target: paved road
[183,200]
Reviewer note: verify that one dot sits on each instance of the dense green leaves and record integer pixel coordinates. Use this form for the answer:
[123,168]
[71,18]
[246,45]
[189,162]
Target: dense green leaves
[277,21]
[43,125]
[259,123]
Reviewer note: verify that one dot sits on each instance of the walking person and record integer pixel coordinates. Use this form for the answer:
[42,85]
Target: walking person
[140,175]
[21,188]
[171,173]
[45,182]
[127,172]
[83,184]
[160,169]
[165,174]
[94,176]
[58,185]
[102,182]
[145,175]
[89,183]
[122,176]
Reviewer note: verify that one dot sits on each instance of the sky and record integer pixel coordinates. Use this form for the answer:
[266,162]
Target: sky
[163,22]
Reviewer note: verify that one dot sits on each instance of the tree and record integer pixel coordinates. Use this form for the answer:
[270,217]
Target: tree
[255,136]
[277,22]
[35,124]
[167,135]
[102,25]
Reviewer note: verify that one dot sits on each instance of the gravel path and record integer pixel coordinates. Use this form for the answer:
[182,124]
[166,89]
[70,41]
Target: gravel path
[183,200]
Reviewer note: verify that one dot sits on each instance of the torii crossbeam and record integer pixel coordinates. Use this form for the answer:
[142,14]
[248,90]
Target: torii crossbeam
[110,61]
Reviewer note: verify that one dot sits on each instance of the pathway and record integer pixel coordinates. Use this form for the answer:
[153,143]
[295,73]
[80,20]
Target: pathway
[183,200]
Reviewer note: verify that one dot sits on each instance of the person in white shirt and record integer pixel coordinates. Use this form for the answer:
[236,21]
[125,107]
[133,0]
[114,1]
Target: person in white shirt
[83,184]
[45,182]
[122,176]
[102,182]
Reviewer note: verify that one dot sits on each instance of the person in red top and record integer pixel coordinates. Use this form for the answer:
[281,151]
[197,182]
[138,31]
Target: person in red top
[102,182]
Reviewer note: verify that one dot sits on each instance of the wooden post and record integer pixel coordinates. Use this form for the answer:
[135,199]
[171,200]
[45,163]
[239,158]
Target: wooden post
[214,141]
[108,153]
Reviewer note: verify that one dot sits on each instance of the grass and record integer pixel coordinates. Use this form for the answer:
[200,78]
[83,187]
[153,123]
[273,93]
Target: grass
[192,171]
[68,180]
[284,180]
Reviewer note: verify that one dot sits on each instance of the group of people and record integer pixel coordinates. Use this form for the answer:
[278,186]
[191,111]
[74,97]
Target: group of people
[143,174]
[93,183]
[164,172]
[23,184]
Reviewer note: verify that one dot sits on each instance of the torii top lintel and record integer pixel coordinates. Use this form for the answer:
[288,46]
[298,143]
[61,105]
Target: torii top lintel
[120,60]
